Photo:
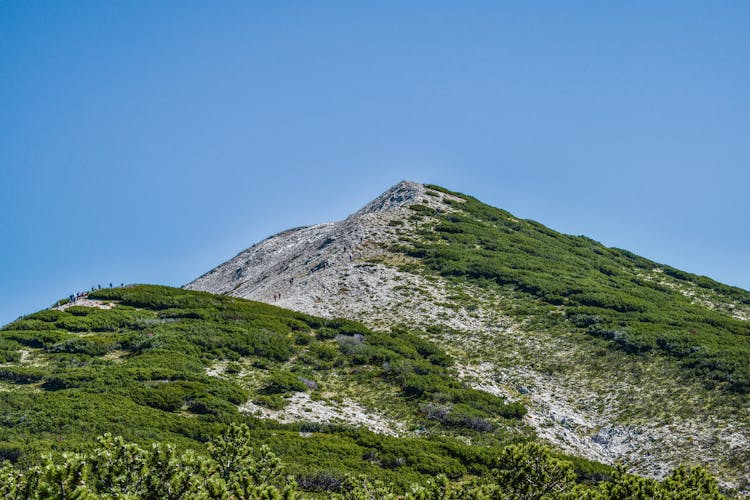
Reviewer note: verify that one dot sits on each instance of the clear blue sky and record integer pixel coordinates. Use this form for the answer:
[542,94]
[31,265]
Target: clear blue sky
[150,141]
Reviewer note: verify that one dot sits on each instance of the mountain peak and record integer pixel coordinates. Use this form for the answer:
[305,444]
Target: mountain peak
[402,194]
[405,258]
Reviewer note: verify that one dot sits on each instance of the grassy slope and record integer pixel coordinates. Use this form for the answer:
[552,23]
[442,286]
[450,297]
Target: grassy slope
[140,370]
[609,293]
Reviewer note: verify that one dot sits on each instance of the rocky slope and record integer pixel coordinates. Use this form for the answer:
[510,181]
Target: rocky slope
[339,268]
[640,410]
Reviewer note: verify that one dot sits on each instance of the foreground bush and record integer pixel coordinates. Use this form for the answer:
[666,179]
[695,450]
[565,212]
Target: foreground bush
[116,469]
[233,469]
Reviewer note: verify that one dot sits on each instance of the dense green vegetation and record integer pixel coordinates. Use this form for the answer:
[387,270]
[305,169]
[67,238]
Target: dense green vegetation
[232,467]
[141,370]
[169,365]
[605,292]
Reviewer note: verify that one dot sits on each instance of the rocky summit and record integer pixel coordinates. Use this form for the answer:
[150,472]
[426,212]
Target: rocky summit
[617,359]
[330,269]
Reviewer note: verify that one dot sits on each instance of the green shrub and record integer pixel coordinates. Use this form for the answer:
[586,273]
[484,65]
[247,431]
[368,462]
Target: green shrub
[280,381]
[270,401]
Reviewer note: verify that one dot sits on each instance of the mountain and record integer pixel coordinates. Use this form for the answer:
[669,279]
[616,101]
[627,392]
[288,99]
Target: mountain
[616,358]
[428,346]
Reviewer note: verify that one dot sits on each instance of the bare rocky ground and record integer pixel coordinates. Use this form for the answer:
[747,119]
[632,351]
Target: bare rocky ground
[646,417]
[301,408]
[86,302]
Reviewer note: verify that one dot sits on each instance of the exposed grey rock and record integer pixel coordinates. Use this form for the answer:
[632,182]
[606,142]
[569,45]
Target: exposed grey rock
[331,269]
[402,194]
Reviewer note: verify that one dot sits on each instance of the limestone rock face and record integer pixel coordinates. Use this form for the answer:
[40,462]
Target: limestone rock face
[402,194]
[330,269]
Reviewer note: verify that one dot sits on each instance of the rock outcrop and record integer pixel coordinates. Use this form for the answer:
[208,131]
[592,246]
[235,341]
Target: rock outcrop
[331,269]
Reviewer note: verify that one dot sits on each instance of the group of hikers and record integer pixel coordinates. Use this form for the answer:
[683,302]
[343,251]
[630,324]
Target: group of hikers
[276,296]
[73,297]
